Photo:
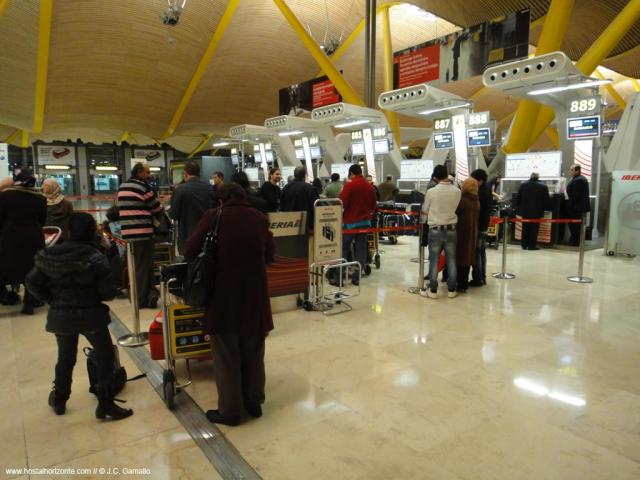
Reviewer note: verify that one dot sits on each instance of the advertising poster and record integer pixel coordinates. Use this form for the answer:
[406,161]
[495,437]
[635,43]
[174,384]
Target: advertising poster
[464,54]
[289,272]
[324,93]
[327,244]
[308,95]
[155,158]
[56,155]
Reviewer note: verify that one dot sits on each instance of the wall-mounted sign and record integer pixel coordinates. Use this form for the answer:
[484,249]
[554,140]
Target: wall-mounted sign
[416,169]
[381,146]
[521,165]
[443,140]
[308,95]
[442,124]
[155,158]
[479,137]
[587,106]
[479,119]
[56,155]
[342,169]
[463,54]
[583,127]
[357,149]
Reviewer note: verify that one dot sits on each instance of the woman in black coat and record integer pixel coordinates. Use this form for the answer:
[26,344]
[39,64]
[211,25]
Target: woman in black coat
[74,278]
[238,316]
[23,211]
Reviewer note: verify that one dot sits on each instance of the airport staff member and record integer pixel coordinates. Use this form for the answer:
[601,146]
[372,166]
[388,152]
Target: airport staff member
[578,202]
[137,204]
[189,202]
[299,196]
[533,200]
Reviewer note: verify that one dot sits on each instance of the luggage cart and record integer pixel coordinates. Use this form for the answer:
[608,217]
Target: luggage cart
[182,331]
[325,299]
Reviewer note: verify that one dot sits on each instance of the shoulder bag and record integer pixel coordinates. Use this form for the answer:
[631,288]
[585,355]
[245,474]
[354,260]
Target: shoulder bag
[199,282]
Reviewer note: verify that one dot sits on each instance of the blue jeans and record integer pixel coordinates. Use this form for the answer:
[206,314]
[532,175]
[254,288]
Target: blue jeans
[479,273]
[439,240]
[360,249]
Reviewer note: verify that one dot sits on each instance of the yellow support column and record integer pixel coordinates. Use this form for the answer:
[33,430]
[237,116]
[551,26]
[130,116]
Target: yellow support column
[636,85]
[124,137]
[24,141]
[202,66]
[349,95]
[552,133]
[555,26]
[44,35]
[612,91]
[12,138]
[201,145]
[3,6]
[392,117]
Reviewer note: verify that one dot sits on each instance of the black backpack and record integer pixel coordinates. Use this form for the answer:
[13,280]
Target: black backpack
[119,373]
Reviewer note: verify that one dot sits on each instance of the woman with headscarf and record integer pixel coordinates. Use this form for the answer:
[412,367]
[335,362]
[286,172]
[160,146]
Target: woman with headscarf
[467,228]
[23,211]
[59,209]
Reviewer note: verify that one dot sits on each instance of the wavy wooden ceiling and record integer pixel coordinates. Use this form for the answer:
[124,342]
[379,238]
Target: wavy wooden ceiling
[113,66]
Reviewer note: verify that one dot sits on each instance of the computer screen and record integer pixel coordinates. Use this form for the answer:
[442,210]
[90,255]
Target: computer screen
[357,149]
[583,127]
[443,140]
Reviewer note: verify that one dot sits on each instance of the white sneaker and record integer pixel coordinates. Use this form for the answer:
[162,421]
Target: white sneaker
[428,293]
[452,294]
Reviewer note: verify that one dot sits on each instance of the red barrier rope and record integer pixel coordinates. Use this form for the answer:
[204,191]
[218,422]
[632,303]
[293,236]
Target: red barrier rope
[397,212]
[94,210]
[353,231]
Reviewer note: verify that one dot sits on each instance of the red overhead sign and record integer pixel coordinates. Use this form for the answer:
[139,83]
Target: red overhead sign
[418,66]
[324,93]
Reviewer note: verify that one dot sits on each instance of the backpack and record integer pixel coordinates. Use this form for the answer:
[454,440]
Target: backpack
[119,373]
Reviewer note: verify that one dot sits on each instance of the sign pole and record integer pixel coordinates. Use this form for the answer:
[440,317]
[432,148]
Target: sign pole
[137,338]
[420,286]
[579,278]
[503,275]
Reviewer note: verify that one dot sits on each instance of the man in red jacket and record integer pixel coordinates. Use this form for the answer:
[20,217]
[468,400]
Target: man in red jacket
[359,204]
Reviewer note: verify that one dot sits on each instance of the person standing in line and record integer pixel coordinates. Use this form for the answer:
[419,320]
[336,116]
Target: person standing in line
[578,204]
[59,209]
[240,178]
[440,204]
[74,278]
[270,190]
[334,188]
[137,204]
[467,230]
[370,180]
[238,315]
[479,271]
[533,199]
[359,204]
[388,189]
[217,181]
[317,184]
[299,196]
[189,202]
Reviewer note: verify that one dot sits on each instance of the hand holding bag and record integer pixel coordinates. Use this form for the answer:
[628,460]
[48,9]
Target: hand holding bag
[199,283]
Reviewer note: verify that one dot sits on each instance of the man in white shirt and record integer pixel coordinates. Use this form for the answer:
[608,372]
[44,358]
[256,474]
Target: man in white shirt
[440,204]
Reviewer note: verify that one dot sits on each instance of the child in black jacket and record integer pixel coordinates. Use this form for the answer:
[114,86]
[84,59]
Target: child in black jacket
[74,279]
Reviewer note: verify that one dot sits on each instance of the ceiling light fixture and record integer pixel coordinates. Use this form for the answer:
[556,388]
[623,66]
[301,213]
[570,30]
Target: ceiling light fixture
[290,133]
[573,86]
[351,124]
[221,144]
[444,109]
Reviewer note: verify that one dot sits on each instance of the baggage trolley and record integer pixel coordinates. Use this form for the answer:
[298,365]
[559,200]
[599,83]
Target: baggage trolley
[182,331]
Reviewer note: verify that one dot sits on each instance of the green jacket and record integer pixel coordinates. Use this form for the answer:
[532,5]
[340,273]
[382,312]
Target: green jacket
[333,190]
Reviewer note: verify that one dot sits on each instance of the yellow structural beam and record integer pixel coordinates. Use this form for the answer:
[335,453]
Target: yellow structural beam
[224,22]
[596,53]
[636,85]
[552,133]
[3,6]
[392,117]
[24,140]
[555,26]
[124,137]
[611,112]
[44,35]
[207,138]
[349,95]
[13,136]
[611,90]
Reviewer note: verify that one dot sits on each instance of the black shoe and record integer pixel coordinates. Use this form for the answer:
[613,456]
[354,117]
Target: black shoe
[58,401]
[461,290]
[111,411]
[534,248]
[524,248]
[255,412]
[10,298]
[27,310]
[476,283]
[214,417]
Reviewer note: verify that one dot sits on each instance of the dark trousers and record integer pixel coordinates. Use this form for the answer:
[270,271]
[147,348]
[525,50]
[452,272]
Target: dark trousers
[574,228]
[479,272]
[463,276]
[143,253]
[239,366]
[100,340]
[529,235]
[359,241]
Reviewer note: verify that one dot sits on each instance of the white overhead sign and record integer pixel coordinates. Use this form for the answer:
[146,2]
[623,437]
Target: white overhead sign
[521,165]
[416,169]
[56,155]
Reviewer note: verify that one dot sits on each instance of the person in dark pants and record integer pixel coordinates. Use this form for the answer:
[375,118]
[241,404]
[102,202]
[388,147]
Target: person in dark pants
[137,204]
[189,202]
[479,271]
[23,211]
[578,204]
[299,196]
[238,316]
[467,232]
[533,200]
[74,278]
[270,190]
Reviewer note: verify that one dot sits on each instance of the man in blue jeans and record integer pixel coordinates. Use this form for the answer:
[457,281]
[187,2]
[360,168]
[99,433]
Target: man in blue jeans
[440,204]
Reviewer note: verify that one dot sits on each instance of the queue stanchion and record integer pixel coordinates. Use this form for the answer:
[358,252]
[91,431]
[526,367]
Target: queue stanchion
[420,261]
[503,274]
[580,278]
[137,338]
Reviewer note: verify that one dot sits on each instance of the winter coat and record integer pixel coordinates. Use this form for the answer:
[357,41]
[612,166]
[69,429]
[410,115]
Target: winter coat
[467,228]
[271,194]
[358,200]
[299,196]
[188,203]
[74,279]
[58,216]
[533,199]
[23,212]
[240,302]
[578,193]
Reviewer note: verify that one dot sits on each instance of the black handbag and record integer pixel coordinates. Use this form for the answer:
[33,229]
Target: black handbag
[198,284]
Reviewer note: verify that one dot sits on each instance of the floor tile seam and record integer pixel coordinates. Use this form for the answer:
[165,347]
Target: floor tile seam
[17,386]
[567,429]
[221,453]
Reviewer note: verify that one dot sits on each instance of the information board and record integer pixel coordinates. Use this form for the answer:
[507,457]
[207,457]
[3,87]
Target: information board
[380,146]
[286,172]
[443,140]
[416,169]
[252,174]
[583,127]
[479,137]
[341,169]
[357,149]
[56,155]
[521,165]
[327,245]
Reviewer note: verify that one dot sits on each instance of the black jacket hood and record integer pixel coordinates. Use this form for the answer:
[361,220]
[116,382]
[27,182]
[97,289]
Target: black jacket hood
[68,258]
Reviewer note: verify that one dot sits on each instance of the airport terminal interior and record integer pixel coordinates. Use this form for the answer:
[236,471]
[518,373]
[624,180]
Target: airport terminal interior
[451,191]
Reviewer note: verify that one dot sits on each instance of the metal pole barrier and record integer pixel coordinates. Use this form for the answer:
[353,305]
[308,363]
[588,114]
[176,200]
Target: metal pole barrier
[579,278]
[420,261]
[137,338]
[503,275]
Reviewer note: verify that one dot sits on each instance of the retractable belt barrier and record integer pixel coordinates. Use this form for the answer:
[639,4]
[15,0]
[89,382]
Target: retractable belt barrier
[353,231]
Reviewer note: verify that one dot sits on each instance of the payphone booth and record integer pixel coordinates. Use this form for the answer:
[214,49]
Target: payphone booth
[370,136]
[60,163]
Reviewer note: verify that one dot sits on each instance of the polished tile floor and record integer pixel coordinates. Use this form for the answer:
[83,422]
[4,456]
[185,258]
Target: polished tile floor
[530,378]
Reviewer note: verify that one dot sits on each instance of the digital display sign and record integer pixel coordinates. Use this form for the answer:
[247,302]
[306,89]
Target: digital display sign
[299,153]
[443,140]
[357,149]
[479,137]
[315,152]
[381,146]
[583,127]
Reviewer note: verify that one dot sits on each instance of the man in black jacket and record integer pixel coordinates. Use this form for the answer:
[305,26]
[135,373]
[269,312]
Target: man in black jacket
[299,196]
[533,200]
[479,273]
[270,190]
[578,202]
[189,202]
